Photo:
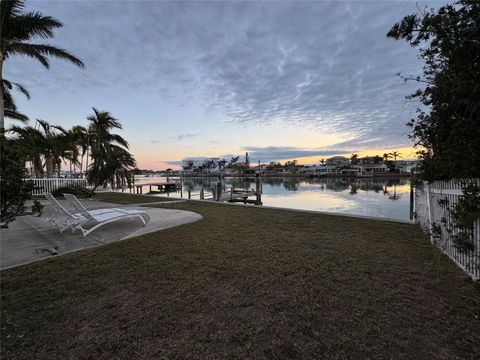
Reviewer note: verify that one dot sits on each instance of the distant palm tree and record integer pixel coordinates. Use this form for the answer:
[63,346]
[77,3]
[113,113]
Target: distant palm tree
[386,157]
[394,155]
[17,29]
[354,159]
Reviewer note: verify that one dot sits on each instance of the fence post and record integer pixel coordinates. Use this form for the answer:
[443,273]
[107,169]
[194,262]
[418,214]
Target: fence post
[429,208]
[202,194]
[219,191]
[189,194]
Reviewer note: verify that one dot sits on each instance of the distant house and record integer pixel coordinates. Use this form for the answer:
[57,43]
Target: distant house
[369,160]
[406,166]
[260,168]
[337,161]
[370,168]
[317,169]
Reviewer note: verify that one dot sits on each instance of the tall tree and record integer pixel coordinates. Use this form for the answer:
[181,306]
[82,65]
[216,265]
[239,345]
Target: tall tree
[33,143]
[48,142]
[354,159]
[77,143]
[101,125]
[17,29]
[394,155]
[447,127]
[114,167]
[111,160]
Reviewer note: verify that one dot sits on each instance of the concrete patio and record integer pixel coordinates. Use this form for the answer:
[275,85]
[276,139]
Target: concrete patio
[30,238]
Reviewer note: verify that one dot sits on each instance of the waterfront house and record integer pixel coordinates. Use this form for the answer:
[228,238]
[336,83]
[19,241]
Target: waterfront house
[338,161]
[318,170]
[406,166]
[370,168]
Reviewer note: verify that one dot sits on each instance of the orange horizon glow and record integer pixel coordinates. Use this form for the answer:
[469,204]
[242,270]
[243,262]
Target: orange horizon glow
[406,153]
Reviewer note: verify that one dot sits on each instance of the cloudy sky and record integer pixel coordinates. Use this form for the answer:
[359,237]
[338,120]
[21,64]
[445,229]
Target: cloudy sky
[281,80]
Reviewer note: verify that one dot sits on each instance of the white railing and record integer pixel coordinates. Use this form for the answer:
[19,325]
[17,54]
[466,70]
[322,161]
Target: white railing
[433,206]
[48,185]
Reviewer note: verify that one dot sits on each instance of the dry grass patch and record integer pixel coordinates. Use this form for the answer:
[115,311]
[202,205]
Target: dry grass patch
[126,199]
[246,283]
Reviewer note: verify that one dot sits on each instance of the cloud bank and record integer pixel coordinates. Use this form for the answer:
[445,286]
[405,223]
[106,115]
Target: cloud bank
[325,66]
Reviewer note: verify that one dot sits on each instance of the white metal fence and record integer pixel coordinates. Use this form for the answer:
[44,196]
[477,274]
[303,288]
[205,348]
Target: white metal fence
[433,205]
[48,185]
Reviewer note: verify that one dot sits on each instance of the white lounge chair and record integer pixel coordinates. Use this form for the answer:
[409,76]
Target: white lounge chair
[59,216]
[102,218]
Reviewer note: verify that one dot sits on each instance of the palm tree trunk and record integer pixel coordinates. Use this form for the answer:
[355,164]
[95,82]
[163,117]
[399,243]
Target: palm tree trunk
[81,165]
[2,110]
[59,166]
[37,167]
[49,166]
[86,161]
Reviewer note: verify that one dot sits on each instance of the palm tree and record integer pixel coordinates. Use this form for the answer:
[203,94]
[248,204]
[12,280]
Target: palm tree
[34,143]
[114,167]
[386,157]
[354,159]
[17,29]
[395,154]
[78,146]
[52,148]
[48,142]
[109,152]
[99,131]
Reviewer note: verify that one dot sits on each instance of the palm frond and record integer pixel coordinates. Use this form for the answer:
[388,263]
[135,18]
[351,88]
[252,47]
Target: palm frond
[119,140]
[31,25]
[27,50]
[12,114]
[11,8]
[8,85]
[40,51]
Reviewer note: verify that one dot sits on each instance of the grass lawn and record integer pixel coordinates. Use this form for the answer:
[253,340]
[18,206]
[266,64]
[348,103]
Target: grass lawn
[246,283]
[126,199]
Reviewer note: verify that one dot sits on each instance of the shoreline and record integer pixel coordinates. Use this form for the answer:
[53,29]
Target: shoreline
[374,176]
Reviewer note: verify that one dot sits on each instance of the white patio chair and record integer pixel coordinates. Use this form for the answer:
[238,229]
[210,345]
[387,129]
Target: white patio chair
[59,216]
[64,219]
[103,218]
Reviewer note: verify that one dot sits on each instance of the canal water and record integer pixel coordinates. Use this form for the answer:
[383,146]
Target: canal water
[377,197]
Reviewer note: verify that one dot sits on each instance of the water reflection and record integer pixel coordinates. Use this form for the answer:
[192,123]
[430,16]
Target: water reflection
[380,197]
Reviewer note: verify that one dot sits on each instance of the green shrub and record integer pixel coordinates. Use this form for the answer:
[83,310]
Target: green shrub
[78,191]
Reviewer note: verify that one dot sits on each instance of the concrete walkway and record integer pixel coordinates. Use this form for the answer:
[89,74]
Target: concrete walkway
[30,238]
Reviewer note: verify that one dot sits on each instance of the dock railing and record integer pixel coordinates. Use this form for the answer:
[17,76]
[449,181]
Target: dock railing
[433,205]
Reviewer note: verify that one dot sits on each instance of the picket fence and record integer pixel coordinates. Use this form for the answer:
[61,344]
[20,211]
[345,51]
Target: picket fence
[433,204]
[43,185]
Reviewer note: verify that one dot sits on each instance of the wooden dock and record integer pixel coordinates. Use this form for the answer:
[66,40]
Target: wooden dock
[161,187]
[218,193]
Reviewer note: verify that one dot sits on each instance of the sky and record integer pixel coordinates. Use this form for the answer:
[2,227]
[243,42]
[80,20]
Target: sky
[282,80]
